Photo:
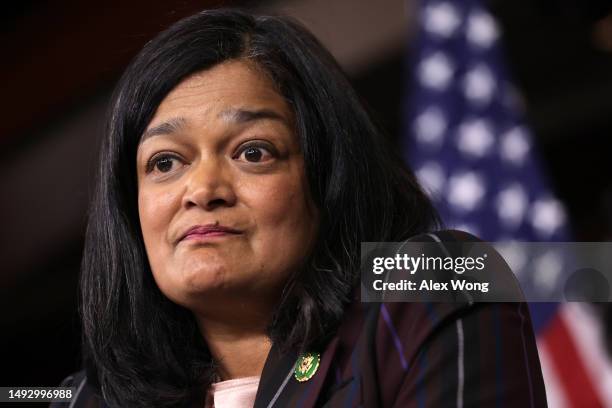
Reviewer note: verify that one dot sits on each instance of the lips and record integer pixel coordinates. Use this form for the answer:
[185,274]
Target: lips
[210,230]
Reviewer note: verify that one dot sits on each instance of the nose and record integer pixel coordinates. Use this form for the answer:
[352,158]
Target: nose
[209,185]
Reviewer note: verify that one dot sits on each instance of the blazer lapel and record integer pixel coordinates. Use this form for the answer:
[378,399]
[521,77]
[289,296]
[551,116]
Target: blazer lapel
[278,386]
[273,377]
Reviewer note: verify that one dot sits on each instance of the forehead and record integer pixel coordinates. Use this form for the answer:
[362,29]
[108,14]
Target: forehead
[227,86]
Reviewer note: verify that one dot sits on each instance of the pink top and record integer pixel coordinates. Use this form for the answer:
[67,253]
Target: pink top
[238,393]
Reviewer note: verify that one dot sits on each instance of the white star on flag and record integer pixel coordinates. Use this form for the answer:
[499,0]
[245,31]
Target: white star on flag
[432,178]
[479,85]
[514,145]
[471,228]
[436,71]
[482,30]
[466,190]
[475,137]
[430,126]
[512,252]
[547,215]
[512,205]
[546,270]
[442,19]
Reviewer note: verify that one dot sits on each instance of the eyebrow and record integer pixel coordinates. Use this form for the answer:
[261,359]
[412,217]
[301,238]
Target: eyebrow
[166,128]
[233,116]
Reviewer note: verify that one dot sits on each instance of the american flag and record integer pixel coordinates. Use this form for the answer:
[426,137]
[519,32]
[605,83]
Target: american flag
[467,140]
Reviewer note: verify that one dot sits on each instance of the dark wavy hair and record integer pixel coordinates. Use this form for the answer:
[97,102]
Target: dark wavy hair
[140,348]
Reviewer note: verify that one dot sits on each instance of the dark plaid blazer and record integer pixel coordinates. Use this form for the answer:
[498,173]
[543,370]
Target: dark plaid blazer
[458,354]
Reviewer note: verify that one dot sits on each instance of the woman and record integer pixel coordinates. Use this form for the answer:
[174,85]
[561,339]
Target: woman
[238,177]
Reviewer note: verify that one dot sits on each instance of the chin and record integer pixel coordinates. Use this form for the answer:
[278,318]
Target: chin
[203,279]
[189,282]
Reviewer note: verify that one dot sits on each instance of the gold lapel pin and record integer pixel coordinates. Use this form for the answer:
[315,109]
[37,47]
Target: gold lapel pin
[306,366]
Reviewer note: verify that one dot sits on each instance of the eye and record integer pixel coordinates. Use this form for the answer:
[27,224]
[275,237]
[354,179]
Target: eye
[255,153]
[163,163]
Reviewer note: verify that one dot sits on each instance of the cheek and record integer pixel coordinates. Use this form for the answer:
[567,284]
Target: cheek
[156,210]
[285,217]
[275,201]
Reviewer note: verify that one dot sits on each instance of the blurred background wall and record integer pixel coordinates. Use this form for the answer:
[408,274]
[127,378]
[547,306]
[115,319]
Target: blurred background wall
[60,60]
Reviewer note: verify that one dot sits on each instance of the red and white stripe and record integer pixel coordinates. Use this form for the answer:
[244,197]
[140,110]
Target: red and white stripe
[577,370]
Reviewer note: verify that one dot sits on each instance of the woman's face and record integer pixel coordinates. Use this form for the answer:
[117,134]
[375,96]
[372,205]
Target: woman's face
[223,198]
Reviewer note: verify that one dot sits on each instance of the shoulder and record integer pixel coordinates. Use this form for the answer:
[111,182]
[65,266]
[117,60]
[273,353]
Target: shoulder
[418,315]
[415,324]
[85,395]
[428,351]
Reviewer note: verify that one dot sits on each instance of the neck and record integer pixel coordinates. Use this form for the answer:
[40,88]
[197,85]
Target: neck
[239,343]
